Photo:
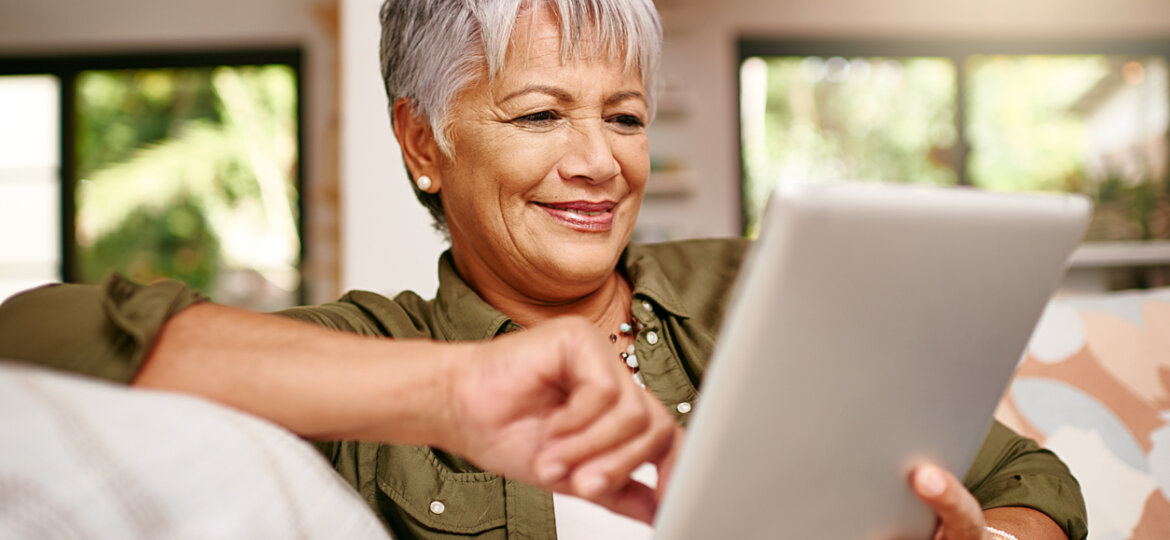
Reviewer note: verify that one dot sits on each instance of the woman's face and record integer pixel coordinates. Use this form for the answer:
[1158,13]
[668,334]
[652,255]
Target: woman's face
[550,164]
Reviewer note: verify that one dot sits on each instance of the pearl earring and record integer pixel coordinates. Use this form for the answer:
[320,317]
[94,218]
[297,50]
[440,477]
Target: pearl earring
[424,183]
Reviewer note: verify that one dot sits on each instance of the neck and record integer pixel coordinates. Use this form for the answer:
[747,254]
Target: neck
[605,307]
[606,304]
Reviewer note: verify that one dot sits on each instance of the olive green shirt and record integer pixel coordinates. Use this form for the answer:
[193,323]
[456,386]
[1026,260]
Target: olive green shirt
[680,291]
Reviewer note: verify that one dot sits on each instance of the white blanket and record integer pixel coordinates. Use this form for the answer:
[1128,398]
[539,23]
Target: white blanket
[88,459]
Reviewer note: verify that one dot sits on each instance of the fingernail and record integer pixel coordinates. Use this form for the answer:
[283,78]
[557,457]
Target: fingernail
[930,482]
[592,486]
[551,472]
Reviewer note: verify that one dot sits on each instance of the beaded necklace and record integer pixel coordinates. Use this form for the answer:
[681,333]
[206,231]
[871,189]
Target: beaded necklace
[627,356]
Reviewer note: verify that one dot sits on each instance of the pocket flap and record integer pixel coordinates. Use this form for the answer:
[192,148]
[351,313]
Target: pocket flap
[430,492]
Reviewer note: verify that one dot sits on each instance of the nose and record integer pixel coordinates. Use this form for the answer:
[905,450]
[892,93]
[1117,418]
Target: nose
[589,156]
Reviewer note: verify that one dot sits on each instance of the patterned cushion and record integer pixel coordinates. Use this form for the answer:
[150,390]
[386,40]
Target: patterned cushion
[1094,386]
[88,459]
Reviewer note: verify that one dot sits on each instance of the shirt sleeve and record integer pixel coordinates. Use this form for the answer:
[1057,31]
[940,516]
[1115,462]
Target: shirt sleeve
[1011,470]
[104,330]
[108,330]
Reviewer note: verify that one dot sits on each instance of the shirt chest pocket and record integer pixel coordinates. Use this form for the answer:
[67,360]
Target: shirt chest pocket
[422,497]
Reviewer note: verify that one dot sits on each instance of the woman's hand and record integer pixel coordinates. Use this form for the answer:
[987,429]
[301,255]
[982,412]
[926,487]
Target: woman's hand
[959,514]
[961,517]
[553,407]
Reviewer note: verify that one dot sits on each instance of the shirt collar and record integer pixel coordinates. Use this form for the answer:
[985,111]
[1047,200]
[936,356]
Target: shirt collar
[463,315]
[650,281]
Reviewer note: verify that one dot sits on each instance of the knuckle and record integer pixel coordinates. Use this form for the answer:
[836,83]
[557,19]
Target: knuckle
[634,418]
[607,390]
[665,425]
[662,435]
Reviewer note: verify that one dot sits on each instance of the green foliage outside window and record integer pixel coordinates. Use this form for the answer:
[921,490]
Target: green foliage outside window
[189,174]
[866,119]
[1092,124]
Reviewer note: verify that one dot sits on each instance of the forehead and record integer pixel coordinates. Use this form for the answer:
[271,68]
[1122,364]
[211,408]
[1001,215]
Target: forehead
[537,41]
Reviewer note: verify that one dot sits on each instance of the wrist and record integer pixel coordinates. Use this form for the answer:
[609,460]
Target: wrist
[1021,523]
[450,378]
[410,381]
[997,534]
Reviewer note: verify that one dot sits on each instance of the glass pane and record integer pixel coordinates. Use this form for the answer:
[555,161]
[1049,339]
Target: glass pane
[864,118]
[1087,124]
[30,200]
[190,174]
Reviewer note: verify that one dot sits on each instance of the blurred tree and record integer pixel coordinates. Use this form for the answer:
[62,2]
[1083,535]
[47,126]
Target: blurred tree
[1029,126]
[867,118]
[1023,136]
[187,173]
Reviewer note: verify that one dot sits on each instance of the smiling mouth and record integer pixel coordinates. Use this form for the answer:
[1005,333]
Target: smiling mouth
[578,211]
[581,215]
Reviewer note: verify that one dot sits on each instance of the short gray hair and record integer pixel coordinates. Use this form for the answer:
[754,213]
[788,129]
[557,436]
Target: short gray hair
[432,49]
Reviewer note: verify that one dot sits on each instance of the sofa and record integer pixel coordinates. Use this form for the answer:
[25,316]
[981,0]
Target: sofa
[88,459]
[1094,386]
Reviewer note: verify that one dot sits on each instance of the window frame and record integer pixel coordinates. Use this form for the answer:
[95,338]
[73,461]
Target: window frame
[67,67]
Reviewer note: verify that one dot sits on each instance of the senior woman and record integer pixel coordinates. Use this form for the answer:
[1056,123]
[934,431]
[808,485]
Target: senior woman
[523,126]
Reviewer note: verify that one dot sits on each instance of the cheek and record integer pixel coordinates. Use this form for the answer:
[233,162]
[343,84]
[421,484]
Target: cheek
[519,162]
[633,153]
[496,169]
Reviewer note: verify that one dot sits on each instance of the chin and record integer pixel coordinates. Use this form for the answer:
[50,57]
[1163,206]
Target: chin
[585,261]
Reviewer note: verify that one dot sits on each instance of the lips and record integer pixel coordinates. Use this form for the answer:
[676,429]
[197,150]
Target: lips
[583,216]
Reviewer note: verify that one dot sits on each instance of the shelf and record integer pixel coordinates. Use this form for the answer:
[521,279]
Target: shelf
[1113,254]
[669,183]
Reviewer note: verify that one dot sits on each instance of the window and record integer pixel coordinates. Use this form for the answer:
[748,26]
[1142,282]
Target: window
[30,214]
[1090,118]
[171,166]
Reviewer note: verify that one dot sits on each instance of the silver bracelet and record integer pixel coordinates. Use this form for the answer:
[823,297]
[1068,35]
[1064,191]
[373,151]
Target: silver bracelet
[1000,535]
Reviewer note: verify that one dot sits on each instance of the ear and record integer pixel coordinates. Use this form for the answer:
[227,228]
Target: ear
[420,151]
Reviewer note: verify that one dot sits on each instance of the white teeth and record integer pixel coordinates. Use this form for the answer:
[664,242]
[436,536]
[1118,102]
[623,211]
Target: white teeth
[586,213]
[583,213]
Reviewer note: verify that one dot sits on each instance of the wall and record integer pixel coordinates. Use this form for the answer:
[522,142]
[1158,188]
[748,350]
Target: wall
[70,26]
[387,240]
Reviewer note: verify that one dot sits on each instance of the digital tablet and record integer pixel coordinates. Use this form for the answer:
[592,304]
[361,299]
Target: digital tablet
[872,327]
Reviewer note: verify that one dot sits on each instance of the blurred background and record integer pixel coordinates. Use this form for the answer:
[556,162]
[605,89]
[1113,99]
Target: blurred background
[243,146]
[186,173]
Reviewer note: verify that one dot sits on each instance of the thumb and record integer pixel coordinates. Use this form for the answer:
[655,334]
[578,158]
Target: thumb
[960,516]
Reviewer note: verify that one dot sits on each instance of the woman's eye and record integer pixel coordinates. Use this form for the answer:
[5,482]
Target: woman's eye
[537,118]
[628,120]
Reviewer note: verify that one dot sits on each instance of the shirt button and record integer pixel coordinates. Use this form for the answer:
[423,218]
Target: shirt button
[646,305]
[652,338]
[683,407]
[437,507]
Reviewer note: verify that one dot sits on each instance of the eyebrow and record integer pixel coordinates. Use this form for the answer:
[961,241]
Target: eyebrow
[553,91]
[622,96]
[563,96]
